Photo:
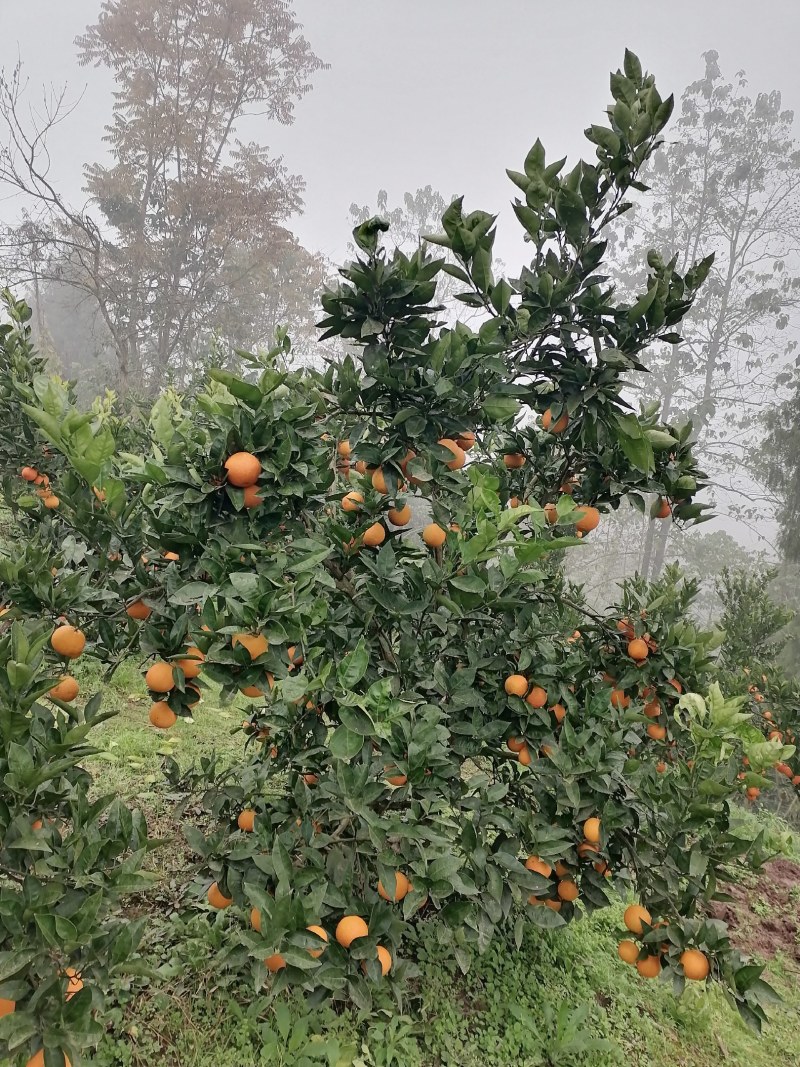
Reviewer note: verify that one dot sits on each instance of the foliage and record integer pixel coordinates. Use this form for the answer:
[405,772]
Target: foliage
[433,738]
[65,859]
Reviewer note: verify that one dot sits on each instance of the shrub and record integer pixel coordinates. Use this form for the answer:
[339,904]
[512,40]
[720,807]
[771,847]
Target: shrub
[441,727]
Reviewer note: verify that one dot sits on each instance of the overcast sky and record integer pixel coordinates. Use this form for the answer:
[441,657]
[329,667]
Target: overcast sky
[446,92]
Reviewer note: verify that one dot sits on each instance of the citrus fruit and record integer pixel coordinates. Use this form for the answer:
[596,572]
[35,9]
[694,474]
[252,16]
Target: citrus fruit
[66,689]
[68,641]
[159,677]
[349,929]
[243,469]
[162,715]
[634,916]
[216,898]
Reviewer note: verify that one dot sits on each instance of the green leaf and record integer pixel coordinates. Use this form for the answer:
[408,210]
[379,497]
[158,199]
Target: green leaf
[356,720]
[344,743]
[500,408]
[354,666]
[639,309]
[535,160]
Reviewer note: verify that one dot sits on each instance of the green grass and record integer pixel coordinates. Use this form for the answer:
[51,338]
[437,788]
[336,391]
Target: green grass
[193,1012]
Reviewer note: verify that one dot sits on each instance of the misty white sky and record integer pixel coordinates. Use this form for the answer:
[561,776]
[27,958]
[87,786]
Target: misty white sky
[446,92]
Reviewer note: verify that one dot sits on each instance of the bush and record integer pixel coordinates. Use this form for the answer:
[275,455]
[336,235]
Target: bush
[440,726]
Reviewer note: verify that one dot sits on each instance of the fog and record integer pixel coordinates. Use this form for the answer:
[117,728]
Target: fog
[447,95]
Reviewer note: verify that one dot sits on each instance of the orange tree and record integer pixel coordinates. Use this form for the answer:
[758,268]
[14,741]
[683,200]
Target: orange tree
[441,728]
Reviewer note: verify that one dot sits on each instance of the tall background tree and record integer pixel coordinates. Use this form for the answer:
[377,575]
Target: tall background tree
[186,225]
[728,184]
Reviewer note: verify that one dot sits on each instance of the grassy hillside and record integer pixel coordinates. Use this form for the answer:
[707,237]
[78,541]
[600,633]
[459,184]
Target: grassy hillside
[562,998]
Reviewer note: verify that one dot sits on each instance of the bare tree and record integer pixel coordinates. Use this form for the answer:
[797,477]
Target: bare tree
[186,213]
[729,185]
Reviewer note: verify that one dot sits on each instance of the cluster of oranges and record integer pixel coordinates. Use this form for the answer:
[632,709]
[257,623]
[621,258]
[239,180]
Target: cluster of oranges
[433,535]
[74,985]
[564,886]
[348,929]
[44,492]
[638,920]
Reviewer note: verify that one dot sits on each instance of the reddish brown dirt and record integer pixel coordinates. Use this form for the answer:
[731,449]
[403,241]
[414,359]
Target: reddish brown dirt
[764,918]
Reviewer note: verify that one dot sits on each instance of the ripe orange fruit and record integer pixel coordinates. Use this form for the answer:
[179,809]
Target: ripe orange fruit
[514,460]
[352,501]
[559,426]
[138,610]
[378,481]
[246,820]
[559,711]
[400,516]
[567,889]
[537,698]
[664,510]
[551,513]
[193,663]
[349,928]
[554,905]
[561,869]
[752,793]
[637,649]
[344,450]
[162,715]
[68,641]
[465,440]
[589,519]
[75,983]
[459,456]
[649,967]
[586,848]
[675,684]
[7,1006]
[256,644]
[37,1060]
[67,689]
[514,502]
[374,536]
[591,830]
[402,886]
[251,691]
[634,916]
[160,678]
[653,709]
[30,474]
[216,898]
[434,536]
[395,778]
[695,965]
[658,733]
[51,501]
[315,953]
[251,497]
[516,744]
[255,919]
[173,557]
[538,866]
[661,767]
[384,959]
[628,951]
[274,963]
[524,756]
[516,685]
[243,469]
[311,779]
